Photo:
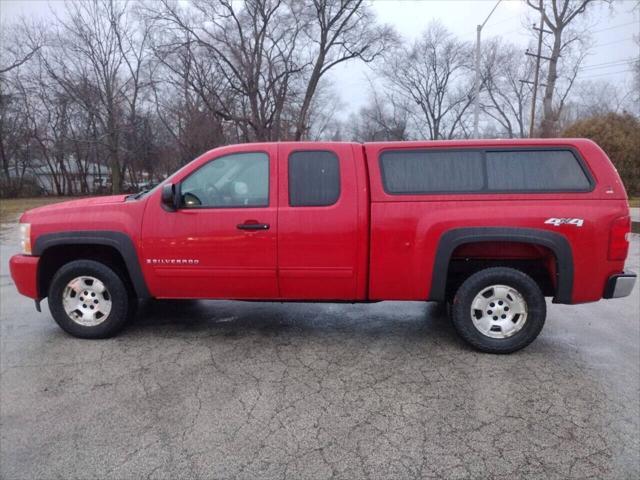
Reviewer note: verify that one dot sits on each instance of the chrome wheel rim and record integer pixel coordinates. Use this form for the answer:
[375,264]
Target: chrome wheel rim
[86,301]
[499,311]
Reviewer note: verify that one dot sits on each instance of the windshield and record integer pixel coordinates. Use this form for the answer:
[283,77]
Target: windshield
[147,192]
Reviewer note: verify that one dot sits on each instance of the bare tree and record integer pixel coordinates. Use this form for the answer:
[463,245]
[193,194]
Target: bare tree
[17,47]
[595,99]
[322,112]
[95,57]
[48,112]
[340,30]
[557,16]
[15,138]
[435,75]
[241,58]
[505,98]
[384,118]
[144,87]
[186,89]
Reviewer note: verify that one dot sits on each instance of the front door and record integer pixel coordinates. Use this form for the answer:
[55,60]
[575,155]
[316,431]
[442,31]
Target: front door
[221,241]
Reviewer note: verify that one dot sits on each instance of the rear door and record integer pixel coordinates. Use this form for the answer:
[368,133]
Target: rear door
[320,226]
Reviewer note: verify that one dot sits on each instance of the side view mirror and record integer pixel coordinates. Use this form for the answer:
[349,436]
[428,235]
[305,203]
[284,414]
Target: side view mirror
[168,198]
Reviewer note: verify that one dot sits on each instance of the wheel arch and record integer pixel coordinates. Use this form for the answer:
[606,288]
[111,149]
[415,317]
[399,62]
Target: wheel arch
[107,240]
[452,239]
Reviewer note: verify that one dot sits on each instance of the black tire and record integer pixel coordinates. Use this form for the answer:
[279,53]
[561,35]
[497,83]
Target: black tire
[121,300]
[474,285]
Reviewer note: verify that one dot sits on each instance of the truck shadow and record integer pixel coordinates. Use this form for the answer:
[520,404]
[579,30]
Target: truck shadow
[237,319]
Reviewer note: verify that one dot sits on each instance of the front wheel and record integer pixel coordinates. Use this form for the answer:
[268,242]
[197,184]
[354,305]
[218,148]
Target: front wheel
[499,310]
[89,300]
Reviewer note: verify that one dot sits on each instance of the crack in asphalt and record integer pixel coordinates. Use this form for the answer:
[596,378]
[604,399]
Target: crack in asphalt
[246,390]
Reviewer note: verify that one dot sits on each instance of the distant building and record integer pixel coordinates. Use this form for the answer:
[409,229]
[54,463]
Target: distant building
[98,178]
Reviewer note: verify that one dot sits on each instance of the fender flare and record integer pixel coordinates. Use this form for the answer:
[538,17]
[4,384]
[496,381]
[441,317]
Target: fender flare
[555,242]
[118,240]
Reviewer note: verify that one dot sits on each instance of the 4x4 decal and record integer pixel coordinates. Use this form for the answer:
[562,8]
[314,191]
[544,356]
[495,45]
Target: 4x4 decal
[556,222]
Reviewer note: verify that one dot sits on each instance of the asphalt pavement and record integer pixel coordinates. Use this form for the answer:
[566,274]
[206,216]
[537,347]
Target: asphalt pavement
[216,389]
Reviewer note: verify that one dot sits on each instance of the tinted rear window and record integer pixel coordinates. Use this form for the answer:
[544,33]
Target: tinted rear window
[482,171]
[424,171]
[535,170]
[314,178]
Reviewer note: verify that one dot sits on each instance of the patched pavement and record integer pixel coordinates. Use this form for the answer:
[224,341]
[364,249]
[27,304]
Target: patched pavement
[249,390]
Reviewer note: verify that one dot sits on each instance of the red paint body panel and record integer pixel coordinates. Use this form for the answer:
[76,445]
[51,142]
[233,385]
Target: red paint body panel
[406,229]
[101,213]
[405,236]
[24,271]
[320,249]
[232,263]
[369,245]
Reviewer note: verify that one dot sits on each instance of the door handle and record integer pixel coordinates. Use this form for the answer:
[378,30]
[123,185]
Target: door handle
[252,225]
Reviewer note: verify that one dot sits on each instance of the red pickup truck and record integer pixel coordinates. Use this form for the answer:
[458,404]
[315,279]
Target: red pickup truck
[492,227]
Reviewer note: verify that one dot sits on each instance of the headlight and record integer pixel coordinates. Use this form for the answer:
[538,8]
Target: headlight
[25,238]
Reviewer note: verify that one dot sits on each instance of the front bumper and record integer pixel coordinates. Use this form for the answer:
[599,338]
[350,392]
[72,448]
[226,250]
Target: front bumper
[619,285]
[24,271]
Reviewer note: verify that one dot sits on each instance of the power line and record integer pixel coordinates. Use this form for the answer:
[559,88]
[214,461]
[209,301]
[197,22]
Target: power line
[466,35]
[607,73]
[599,66]
[597,45]
[613,26]
[493,24]
[512,31]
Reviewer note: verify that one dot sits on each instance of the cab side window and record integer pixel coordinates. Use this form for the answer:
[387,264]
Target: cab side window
[236,180]
[314,178]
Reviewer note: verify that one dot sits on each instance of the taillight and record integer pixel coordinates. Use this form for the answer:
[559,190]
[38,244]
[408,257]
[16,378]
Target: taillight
[618,238]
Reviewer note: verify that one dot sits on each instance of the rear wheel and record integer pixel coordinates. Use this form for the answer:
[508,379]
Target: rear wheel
[89,300]
[499,310]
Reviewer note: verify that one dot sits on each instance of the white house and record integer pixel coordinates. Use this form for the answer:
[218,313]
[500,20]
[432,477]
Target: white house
[98,177]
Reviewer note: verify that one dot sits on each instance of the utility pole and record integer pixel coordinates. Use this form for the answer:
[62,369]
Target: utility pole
[536,75]
[476,108]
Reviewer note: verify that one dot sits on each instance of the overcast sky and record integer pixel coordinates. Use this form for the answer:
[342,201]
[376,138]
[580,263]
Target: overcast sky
[612,33]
